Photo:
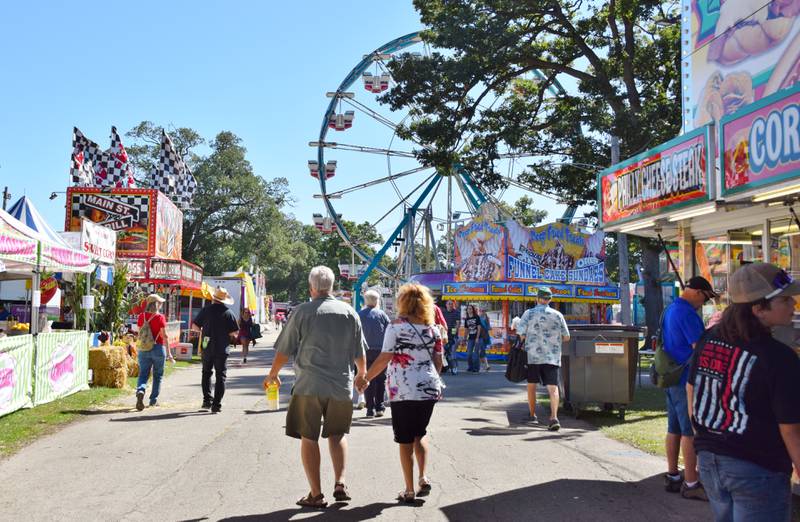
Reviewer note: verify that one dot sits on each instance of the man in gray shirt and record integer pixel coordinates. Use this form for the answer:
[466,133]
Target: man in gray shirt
[325,340]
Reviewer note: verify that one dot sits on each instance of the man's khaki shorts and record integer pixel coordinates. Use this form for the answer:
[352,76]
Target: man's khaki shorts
[306,412]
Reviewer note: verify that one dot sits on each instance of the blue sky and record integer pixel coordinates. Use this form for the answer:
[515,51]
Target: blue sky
[257,68]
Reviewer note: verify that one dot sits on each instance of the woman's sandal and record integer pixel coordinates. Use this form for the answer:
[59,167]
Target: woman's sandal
[406,496]
[340,492]
[424,487]
[313,502]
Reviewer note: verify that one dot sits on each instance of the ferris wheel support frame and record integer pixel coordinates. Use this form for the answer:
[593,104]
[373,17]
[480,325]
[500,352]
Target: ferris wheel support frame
[379,255]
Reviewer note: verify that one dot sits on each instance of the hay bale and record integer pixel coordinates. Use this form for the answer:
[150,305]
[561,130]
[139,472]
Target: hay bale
[111,377]
[133,367]
[107,357]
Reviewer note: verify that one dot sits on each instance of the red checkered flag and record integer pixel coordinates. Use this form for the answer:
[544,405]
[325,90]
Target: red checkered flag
[113,168]
[84,151]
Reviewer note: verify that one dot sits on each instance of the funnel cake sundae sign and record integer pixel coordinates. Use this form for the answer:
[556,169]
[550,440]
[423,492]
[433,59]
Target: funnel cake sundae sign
[555,253]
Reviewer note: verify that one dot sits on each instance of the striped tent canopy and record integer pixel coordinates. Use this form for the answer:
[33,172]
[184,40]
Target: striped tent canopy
[25,212]
[56,254]
[17,245]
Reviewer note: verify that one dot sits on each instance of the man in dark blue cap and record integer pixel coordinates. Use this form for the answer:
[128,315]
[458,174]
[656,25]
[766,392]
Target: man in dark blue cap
[681,329]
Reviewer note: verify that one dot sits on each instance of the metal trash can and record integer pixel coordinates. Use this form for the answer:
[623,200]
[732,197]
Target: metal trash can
[599,365]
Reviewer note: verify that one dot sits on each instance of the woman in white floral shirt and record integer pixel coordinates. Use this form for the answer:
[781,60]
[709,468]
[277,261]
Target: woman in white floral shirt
[412,349]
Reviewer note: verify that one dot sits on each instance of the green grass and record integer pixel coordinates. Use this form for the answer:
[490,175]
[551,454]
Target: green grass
[22,427]
[645,421]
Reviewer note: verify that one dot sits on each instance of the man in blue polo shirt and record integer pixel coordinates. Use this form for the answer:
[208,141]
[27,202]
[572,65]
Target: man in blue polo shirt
[681,329]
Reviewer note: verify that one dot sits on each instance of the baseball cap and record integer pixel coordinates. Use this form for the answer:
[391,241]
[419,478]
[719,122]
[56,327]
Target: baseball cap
[761,281]
[544,292]
[702,284]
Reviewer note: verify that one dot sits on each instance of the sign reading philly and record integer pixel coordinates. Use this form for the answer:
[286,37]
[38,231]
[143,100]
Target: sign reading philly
[555,253]
[667,177]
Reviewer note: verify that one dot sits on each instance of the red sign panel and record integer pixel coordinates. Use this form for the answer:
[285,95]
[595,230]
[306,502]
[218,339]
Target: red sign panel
[669,176]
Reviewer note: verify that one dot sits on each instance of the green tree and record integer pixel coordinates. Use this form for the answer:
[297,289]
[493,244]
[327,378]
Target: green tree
[144,151]
[500,85]
[236,218]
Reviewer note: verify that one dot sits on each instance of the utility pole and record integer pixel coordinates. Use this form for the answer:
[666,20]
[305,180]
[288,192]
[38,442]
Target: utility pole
[622,246]
[6,197]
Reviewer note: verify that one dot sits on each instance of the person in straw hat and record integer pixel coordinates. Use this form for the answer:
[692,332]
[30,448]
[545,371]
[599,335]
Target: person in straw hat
[219,328]
[152,349]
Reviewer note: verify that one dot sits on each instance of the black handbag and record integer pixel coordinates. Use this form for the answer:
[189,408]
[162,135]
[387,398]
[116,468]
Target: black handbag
[255,331]
[517,369]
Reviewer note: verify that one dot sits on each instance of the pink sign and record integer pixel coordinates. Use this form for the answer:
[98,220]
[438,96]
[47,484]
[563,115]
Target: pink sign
[761,144]
[19,247]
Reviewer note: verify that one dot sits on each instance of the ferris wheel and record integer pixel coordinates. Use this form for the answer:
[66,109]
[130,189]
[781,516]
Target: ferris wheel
[367,172]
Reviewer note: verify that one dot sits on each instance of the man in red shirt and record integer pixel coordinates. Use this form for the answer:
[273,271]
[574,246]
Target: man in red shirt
[153,349]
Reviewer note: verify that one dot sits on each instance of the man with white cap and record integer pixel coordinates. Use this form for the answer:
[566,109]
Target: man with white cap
[219,328]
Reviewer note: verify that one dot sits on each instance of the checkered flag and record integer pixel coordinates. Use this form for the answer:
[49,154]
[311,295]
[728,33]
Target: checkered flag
[84,153]
[172,176]
[187,186]
[112,168]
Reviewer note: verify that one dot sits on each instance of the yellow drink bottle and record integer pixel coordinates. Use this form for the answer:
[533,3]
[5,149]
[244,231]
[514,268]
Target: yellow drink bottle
[273,397]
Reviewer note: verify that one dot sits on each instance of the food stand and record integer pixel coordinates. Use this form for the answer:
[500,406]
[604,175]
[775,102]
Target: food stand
[501,265]
[35,369]
[149,230]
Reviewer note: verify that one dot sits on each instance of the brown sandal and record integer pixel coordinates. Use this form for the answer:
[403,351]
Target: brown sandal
[313,502]
[340,492]
[406,496]
[424,487]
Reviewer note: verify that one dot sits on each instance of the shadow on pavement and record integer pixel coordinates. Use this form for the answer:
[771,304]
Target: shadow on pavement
[332,512]
[259,412]
[570,499]
[97,411]
[163,416]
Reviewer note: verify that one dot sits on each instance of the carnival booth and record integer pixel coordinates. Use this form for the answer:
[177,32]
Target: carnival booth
[149,229]
[37,368]
[724,190]
[500,267]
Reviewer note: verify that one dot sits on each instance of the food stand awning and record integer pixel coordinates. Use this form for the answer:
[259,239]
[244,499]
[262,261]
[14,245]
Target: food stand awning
[22,248]
[506,291]
[164,272]
[17,246]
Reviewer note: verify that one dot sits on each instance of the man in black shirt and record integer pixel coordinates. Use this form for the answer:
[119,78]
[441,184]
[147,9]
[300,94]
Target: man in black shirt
[744,399]
[218,327]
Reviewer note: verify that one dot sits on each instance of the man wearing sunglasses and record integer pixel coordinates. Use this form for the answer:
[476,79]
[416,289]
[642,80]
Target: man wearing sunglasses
[681,329]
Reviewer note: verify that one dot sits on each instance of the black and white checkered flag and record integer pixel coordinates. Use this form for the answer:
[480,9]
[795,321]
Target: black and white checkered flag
[112,168]
[172,176]
[84,152]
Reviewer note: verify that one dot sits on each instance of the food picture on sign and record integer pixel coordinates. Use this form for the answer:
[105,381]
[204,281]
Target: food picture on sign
[761,144]
[479,251]
[738,51]
[556,252]
[169,229]
[126,213]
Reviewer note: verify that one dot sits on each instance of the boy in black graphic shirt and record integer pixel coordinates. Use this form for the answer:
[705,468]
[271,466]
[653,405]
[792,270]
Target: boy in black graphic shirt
[744,399]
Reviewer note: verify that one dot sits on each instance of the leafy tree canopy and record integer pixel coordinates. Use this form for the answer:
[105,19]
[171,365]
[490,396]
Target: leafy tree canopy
[551,79]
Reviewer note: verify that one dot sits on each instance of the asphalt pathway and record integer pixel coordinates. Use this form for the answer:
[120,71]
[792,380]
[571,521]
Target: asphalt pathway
[175,462]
